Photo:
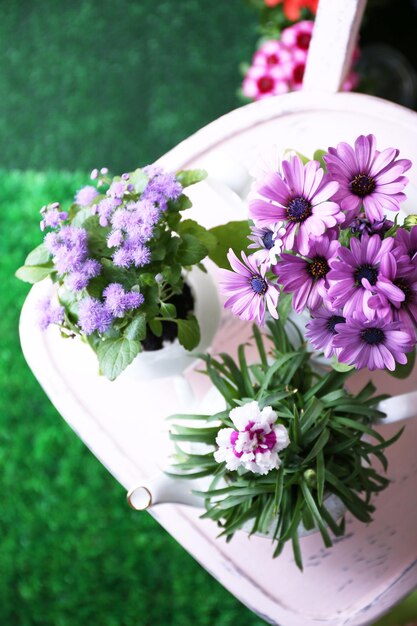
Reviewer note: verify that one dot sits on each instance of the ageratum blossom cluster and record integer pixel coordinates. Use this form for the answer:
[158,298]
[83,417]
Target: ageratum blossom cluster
[328,235]
[118,256]
[278,65]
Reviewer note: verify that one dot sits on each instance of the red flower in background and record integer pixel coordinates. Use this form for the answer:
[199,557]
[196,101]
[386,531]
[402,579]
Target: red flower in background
[292,8]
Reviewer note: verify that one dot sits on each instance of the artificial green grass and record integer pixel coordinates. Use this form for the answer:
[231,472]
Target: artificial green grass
[89,83]
[71,551]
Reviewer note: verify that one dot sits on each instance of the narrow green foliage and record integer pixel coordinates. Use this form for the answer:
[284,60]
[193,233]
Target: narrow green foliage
[332,445]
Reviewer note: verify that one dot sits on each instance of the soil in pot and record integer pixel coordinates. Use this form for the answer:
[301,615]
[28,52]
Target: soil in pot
[184,303]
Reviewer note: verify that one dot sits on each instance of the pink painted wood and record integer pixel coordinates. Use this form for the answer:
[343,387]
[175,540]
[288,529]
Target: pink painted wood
[373,566]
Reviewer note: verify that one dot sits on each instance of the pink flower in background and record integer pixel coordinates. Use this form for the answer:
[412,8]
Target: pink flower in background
[250,293]
[301,199]
[256,441]
[367,178]
[289,55]
[273,53]
[298,36]
[262,81]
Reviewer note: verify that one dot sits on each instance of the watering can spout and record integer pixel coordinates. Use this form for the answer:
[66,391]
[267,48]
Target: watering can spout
[163,489]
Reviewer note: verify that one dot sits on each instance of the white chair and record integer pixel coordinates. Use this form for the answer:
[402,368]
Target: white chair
[372,567]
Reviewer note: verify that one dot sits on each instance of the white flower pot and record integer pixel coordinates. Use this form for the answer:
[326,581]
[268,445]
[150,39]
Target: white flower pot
[172,360]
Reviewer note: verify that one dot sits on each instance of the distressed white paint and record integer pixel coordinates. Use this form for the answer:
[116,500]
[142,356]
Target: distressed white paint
[334,38]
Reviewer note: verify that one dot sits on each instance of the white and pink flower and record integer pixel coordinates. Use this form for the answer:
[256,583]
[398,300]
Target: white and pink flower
[255,442]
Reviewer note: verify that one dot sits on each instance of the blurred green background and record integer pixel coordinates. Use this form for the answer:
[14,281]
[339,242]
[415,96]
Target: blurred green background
[85,84]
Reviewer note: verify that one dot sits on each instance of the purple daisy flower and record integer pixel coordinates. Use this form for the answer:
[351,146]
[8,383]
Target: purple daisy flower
[361,225]
[321,330]
[248,290]
[307,277]
[367,177]
[375,343]
[408,240]
[357,275]
[86,195]
[403,274]
[301,199]
[269,240]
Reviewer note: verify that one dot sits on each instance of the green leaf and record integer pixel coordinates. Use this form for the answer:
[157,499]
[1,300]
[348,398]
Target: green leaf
[39,256]
[114,355]
[190,177]
[340,367]
[139,180]
[284,306]
[156,327]
[231,235]
[403,371]
[318,156]
[191,227]
[188,332]
[190,250]
[172,274]
[136,330]
[168,310]
[34,273]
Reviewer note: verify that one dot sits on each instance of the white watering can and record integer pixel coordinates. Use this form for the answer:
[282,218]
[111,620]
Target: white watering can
[124,425]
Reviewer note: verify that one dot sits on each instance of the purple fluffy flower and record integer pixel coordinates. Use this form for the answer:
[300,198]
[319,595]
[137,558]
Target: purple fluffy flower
[360,273]
[301,199]
[269,240]
[93,316]
[248,290]
[68,247]
[79,279]
[307,277]
[367,177]
[118,301]
[52,216]
[321,330]
[86,195]
[105,208]
[49,312]
[117,190]
[375,343]
[162,186]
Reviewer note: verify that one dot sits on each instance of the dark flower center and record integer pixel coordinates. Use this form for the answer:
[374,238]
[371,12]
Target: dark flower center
[332,321]
[318,267]
[362,185]
[298,73]
[366,271]
[272,59]
[298,210]
[258,284]
[268,240]
[265,84]
[404,285]
[303,41]
[372,336]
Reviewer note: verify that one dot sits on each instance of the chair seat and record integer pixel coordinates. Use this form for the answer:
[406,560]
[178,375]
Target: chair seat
[373,566]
